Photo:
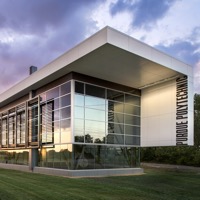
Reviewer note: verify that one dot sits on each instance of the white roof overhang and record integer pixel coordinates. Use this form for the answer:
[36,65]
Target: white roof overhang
[109,55]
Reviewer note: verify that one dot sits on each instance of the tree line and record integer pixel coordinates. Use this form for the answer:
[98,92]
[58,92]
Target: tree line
[180,155]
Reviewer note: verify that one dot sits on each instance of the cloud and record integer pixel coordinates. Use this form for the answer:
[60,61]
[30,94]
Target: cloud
[37,32]
[145,12]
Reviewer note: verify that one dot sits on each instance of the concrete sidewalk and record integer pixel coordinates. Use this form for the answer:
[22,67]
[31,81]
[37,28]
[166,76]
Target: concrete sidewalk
[168,166]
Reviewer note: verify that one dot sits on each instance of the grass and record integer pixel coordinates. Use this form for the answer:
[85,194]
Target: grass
[155,184]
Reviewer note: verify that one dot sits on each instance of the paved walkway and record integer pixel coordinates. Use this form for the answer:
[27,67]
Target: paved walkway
[167,166]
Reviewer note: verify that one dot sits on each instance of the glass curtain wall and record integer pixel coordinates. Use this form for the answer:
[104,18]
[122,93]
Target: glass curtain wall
[106,116]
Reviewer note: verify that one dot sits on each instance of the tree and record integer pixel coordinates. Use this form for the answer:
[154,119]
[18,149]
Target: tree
[197,120]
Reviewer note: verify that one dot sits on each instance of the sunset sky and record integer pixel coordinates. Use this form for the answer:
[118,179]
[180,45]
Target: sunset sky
[37,31]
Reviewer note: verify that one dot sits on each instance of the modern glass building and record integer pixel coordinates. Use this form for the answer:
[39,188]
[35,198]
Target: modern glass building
[88,112]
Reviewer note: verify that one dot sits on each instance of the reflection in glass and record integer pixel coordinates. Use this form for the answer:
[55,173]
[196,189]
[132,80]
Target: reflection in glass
[65,100]
[65,128]
[130,99]
[92,114]
[56,115]
[115,139]
[132,140]
[53,93]
[115,106]
[115,117]
[79,100]
[20,157]
[79,125]
[65,88]
[65,112]
[132,120]
[133,110]
[115,95]
[94,127]
[56,104]
[132,130]
[115,128]
[94,102]
[79,112]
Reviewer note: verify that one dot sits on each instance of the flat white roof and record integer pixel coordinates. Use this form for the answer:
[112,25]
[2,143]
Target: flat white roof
[109,55]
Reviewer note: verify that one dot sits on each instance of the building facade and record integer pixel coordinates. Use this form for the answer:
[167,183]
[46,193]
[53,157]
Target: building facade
[95,106]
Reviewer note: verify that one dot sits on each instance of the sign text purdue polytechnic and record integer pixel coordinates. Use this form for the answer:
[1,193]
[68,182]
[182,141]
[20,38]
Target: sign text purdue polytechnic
[181,111]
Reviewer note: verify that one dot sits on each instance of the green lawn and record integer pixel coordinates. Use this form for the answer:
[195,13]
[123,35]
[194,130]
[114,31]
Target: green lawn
[154,184]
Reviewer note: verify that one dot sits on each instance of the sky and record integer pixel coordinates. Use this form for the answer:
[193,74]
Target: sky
[36,32]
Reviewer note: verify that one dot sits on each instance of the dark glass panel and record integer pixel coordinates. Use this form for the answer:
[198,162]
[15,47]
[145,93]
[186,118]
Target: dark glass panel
[79,137]
[132,140]
[79,87]
[115,139]
[130,99]
[132,130]
[95,91]
[132,120]
[115,95]
[133,110]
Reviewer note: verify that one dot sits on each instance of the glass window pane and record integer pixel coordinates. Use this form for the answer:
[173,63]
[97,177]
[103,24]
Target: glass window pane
[79,137]
[94,114]
[65,112]
[115,128]
[79,87]
[94,126]
[93,102]
[56,115]
[132,130]
[43,97]
[65,100]
[131,140]
[79,100]
[95,91]
[79,125]
[135,100]
[79,112]
[115,117]
[65,88]
[115,106]
[95,138]
[56,130]
[115,139]
[132,120]
[51,94]
[115,95]
[133,110]
[56,104]
[65,131]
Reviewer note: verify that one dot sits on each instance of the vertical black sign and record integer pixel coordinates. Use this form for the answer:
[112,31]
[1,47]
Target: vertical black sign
[181,111]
